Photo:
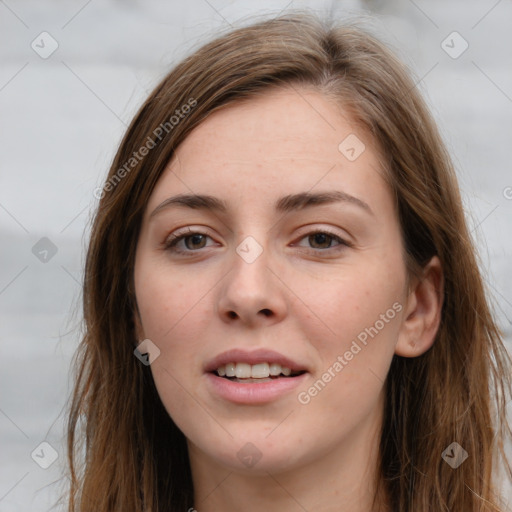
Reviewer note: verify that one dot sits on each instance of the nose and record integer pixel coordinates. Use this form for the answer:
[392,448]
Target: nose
[252,294]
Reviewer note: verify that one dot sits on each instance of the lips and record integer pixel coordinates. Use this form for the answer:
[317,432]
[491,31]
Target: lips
[252,391]
[253,358]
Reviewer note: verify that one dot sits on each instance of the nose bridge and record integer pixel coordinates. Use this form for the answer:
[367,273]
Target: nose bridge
[251,290]
[250,266]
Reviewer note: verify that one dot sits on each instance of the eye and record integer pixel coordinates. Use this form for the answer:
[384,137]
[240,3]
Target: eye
[191,240]
[322,240]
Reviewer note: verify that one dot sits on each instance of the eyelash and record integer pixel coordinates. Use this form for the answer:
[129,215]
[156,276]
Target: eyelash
[173,240]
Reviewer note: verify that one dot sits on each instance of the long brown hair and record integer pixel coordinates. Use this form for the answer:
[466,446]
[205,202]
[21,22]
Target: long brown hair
[124,451]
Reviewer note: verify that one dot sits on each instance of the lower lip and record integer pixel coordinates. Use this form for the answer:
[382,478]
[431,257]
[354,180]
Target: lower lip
[253,393]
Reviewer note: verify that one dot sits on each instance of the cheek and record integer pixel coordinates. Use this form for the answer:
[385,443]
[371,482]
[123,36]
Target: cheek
[173,313]
[354,333]
[167,301]
[345,306]
[361,320]
[176,313]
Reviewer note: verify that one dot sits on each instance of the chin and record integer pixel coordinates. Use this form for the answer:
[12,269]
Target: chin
[264,461]
[255,455]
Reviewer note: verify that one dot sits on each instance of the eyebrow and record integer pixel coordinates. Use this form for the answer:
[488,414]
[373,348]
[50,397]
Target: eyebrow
[285,204]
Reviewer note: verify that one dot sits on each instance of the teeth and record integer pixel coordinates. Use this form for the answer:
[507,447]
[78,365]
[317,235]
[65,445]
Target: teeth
[275,369]
[259,371]
[243,370]
[230,370]
[255,371]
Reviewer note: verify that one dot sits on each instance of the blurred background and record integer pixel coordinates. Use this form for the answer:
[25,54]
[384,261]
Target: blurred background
[72,75]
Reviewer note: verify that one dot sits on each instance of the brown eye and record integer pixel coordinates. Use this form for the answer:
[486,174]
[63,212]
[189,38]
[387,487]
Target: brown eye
[320,240]
[187,242]
[323,241]
[197,241]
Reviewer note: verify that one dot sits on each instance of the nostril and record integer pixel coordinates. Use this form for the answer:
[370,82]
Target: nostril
[232,314]
[266,312]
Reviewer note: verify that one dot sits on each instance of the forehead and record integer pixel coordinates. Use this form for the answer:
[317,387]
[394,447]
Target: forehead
[291,140]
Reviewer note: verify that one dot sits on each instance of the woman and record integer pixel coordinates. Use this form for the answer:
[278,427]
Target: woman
[282,305]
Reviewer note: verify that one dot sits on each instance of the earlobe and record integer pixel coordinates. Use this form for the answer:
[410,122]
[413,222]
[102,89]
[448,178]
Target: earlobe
[422,315]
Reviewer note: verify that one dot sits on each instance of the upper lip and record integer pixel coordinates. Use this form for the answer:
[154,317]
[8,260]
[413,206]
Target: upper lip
[252,357]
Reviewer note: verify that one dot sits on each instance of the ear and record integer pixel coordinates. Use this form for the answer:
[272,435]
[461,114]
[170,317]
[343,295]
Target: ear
[422,314]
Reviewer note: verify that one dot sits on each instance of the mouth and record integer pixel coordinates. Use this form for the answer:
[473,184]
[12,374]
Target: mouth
[255,373]
[254,377]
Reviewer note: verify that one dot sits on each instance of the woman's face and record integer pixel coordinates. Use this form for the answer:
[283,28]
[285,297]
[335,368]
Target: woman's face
[266,277]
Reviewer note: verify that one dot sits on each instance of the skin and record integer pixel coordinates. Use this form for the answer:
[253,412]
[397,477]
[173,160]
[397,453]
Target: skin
[319,295]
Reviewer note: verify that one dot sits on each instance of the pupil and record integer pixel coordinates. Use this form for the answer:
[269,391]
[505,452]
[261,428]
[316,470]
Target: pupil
[323,238]
[196,239]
